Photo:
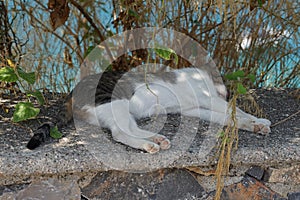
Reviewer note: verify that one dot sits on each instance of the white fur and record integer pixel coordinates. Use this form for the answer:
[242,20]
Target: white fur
[194,94]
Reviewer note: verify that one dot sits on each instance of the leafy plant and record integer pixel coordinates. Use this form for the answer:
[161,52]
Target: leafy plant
[237,78]
[7,74]
[166,53]
[23,110]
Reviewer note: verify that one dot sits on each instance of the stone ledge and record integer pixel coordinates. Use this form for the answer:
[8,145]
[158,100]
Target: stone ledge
[278,153]
[20,165]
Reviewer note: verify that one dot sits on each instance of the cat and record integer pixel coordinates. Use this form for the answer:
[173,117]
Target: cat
[120,98]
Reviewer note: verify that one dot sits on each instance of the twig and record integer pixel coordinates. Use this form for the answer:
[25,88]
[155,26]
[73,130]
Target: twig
[46,29]
[285,119]
[90,20]
[198,170]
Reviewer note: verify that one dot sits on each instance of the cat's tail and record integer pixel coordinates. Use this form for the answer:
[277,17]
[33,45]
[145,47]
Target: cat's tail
[43,132]
[40,136]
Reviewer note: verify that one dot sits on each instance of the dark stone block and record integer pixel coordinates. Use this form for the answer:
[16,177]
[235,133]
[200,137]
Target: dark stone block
[179,185]
[159,185]
[294,196]
[256,172]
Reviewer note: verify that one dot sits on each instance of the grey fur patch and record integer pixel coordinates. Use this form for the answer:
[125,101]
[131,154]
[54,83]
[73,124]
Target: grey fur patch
[108,86]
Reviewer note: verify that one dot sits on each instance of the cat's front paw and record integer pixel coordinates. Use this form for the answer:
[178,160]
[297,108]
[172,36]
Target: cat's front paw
[262,126]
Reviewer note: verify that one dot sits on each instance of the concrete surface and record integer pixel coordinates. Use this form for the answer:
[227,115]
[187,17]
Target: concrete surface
[88,151]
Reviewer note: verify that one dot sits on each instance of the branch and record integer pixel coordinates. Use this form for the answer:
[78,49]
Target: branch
[90,20]
[47,29]
[285,119]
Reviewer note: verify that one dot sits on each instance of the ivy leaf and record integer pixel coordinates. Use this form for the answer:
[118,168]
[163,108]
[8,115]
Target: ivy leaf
[38,95]
[251,77]
[235,75]
[54,133]
[88,51]
[8,74]
[24,111]
[29,77]
[241,89]
[166,53]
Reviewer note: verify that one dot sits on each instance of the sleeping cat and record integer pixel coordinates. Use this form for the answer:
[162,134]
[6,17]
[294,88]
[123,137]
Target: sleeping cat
[120,98]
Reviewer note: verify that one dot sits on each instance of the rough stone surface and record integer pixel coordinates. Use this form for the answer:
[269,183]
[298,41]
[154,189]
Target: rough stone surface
[286,175]
[49,189]
[161,184]
[88,151]
[294,196]
[283,188]
[249,188]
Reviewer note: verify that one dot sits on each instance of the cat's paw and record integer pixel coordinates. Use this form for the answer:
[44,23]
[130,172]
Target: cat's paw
[151,147]
[262,126]
[162,141]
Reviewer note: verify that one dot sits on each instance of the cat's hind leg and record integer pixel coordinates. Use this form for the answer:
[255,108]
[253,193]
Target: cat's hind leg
[244,121]
[216,109]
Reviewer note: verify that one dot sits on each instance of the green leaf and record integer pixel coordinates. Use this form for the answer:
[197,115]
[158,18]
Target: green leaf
[24,111]
[235,75]
[252,77]
[29,77]
[54,133]
[8,74]
[166,53]
[38,95]
[88,51]
[241,89]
